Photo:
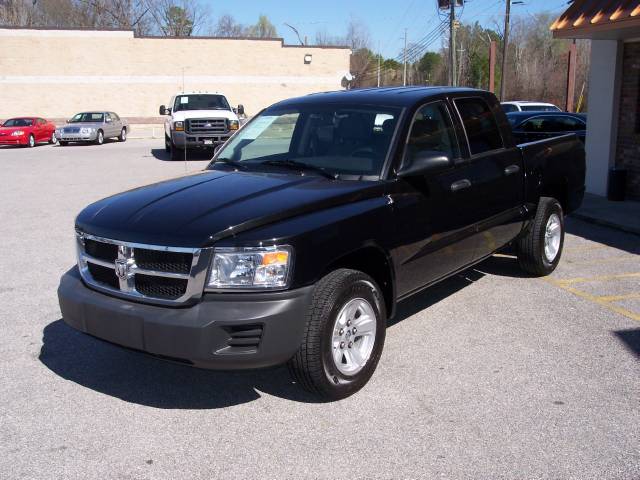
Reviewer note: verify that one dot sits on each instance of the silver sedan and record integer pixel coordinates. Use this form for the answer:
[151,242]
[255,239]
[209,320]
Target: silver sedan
[93,127]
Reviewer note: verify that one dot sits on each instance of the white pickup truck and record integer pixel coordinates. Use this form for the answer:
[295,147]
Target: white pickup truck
[198,120]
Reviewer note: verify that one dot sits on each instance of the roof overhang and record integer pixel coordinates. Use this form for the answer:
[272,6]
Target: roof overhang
[599,20]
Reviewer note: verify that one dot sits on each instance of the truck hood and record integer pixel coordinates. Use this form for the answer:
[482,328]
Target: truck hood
[185,114]
[199,209]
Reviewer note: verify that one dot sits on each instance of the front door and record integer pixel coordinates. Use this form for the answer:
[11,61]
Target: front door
[434,230]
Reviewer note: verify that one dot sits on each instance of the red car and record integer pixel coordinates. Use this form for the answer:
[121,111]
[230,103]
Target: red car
[27,131]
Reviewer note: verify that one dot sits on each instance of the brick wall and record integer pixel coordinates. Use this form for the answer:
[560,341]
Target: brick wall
[56,73]
[628,145]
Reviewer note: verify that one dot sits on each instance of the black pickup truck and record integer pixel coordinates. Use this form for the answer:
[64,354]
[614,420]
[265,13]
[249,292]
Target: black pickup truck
[311,223]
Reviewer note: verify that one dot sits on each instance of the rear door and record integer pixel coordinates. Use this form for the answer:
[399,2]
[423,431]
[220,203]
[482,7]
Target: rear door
[495,173]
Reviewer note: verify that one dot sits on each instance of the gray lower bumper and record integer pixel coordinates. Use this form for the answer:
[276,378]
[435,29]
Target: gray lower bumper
[77,137]
[223,331]
[188,140]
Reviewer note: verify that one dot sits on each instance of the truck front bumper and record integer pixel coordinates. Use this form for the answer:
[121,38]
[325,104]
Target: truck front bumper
[189,140]
[222,331]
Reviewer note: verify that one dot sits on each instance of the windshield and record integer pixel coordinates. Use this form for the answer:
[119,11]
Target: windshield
[18,122]
[200,102]
[339,139]
[91,117]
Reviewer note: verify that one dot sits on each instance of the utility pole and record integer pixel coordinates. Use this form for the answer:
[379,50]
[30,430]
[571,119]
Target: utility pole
[505,44]
[453,74]
[404,76]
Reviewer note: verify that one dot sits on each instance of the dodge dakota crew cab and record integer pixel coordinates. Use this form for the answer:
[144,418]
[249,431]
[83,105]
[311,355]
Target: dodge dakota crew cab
[309,225]
[198,120]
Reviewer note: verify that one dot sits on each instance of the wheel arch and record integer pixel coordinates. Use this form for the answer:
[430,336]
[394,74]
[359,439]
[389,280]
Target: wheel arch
[373,260]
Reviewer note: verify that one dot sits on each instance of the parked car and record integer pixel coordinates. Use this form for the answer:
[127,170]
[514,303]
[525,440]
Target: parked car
[526,106]
[532,126]
[93,127]
[198,120]
[299,239]
[27,131]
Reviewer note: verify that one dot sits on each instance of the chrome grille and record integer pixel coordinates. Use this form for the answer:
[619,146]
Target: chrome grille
[150,273]
[207,126]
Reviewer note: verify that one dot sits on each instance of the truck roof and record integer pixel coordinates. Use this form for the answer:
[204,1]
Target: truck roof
[391,96]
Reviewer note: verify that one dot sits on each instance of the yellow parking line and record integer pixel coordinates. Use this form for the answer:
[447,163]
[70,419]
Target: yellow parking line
[597,300]
[617,298]
[600,278]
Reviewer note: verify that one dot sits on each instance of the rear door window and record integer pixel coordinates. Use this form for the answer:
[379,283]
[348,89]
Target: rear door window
[479,124]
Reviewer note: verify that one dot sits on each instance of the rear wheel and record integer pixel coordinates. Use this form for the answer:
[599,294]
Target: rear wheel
[54,139]
[123,135]
[344,335]
[539,250]
[32,141]
[100,137]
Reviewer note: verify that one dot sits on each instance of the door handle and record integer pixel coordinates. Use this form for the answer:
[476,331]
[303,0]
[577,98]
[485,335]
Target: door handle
[460,185]
[511,169]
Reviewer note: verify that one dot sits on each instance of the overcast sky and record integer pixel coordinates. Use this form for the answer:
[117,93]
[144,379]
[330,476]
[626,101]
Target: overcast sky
[386,20]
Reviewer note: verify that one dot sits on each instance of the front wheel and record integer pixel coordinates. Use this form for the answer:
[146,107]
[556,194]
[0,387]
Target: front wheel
[53,140]
[539,250]
[123,135]
[32,141]
[100,138]
[177,153]
[344,335]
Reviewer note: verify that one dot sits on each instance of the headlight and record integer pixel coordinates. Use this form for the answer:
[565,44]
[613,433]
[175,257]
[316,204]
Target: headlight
[178,126]
[251,268]
[234,124]
[17,132]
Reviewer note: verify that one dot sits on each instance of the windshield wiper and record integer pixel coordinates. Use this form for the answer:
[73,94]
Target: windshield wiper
[233,163]
[299,166]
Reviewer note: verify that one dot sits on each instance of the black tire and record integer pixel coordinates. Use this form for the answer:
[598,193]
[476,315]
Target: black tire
[167,144]
[531,246]
[32,141]
[177,154]
[99,137]
[54,139]
[63,143]
[123,135]
[313,366]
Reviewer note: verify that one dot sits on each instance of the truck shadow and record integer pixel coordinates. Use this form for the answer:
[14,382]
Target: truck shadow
[138,378]
[193,155]
[604,235]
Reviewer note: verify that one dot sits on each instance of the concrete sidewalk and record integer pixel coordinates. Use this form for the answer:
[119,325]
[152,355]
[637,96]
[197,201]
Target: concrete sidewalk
[623,216]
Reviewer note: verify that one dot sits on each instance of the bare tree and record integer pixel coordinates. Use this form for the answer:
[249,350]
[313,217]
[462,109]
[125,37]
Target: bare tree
[262,29]
[178,18]
[228,27]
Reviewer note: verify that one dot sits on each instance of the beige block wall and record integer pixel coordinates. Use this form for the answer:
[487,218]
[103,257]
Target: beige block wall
[56,73]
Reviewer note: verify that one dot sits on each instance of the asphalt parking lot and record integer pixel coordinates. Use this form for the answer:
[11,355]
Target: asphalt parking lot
[489,375]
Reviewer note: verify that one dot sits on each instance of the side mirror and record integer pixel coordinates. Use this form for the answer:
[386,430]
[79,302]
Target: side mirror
[240,110]
[424,162]
[163,110]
